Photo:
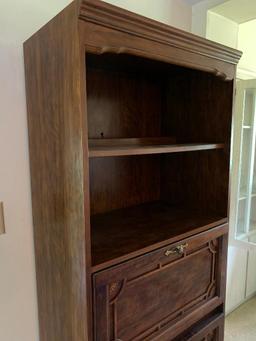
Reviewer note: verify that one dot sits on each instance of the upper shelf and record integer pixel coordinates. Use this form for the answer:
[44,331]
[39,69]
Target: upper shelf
[143,146]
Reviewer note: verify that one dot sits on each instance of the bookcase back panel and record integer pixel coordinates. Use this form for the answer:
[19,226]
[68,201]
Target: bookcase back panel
[124,181]
[130,96]
[196,180]
[197,107]
[123,104]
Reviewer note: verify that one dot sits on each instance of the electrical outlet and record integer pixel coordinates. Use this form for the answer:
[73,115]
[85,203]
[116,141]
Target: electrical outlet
[2,227]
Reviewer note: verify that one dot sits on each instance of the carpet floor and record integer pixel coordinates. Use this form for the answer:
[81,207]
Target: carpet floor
[240,325]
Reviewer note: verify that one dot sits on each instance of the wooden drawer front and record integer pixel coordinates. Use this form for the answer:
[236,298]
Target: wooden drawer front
[210,329]
[146,298]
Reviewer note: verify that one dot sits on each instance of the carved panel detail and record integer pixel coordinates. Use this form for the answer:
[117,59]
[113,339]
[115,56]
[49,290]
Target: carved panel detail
[116,289]
[212,336]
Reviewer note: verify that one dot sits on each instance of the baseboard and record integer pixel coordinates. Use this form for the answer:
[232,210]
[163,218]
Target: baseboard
[241,303]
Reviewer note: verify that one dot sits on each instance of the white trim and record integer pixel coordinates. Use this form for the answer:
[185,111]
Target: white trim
[239,304]
[245,72]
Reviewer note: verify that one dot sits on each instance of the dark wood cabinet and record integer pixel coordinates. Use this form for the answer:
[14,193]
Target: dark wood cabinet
[129,129]
[208,329]
[152,296]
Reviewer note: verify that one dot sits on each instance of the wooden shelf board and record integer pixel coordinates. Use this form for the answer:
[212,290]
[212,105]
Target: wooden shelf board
[125,147]
[127,233]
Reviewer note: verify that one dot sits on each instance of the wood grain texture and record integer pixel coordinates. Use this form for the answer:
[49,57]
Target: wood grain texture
[145,298]
[106,254]
[101,40]
[112,17]
[2,222]
[55,119]
[160,101]
[126,233]
[115,108]
[208,329]
[97,73]
[203,115]
[126,149]
[202,177]
[122,182]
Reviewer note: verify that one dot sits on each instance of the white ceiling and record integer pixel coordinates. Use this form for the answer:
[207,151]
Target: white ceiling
[237,10]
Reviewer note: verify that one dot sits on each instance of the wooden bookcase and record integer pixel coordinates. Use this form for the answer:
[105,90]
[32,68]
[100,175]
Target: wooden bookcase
[130,126]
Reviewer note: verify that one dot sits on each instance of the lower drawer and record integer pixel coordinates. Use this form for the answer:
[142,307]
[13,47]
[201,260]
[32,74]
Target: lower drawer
[162,293]
[209,329]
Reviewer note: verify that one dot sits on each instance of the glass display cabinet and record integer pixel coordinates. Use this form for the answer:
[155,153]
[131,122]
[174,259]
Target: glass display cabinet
[246,140]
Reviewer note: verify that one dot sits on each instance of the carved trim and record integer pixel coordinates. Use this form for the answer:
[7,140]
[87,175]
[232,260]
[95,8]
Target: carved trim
[211,336]
[169,59]
[113,321]
[113,17]
[116,289]
[213,246]
[211,289]
[147,333]
[170,319]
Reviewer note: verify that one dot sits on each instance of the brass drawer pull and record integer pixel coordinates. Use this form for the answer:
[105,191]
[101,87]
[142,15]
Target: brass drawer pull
[177,250]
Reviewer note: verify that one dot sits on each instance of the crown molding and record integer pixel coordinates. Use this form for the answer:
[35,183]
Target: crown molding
[244,72]
[104,14]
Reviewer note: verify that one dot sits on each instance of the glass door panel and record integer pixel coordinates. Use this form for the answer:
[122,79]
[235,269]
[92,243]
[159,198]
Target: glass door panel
[245,163]
[248,108]
[246,204]
[252,226]
[252,238]
[241,219]
[254,175]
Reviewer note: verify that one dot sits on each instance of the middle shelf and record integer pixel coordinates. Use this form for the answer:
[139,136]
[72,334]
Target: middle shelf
[143,146]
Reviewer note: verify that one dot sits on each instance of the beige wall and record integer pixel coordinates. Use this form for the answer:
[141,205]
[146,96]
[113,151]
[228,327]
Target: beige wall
[199,15]
[246,43]
[18,20]
[18,308]
[174,12]
[240,36]
[241,261]
[221,29]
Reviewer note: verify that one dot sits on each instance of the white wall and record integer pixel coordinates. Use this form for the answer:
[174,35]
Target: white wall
[247,44]
[225,31]
[216,27]
[19,19]
[221,29]
[236,277]
[18,307]
[241,282]
[173,12]
[199,16]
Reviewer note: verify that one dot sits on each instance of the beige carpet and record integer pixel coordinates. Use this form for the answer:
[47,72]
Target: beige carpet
[241,323]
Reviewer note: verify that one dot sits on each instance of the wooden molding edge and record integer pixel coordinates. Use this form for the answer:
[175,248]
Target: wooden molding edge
[102,13]
[2,224]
